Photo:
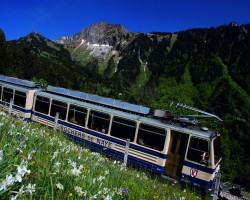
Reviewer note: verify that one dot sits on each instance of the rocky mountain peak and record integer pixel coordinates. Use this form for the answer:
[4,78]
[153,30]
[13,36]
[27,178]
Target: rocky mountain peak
[99,33]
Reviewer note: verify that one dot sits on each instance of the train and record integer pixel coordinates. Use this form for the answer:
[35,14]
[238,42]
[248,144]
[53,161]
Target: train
[174,147]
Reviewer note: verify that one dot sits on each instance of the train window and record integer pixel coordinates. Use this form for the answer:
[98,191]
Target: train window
[7,94]
[98,121]
[58,106]
[123,128]
[42,105]
[197,150]
[217,150]
[20,98]
[77,115]
[151,136]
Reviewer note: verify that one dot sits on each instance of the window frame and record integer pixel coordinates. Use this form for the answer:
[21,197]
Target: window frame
[199,152]
[148,143]
[61,117]
[77,112]
[119,136]
[8,92]
[19,95]
[49,103]
[101,129]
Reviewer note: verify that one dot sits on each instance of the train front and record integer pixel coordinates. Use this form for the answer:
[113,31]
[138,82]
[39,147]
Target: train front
[202,160]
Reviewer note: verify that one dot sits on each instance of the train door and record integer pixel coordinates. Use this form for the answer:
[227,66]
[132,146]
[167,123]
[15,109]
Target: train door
[176,153]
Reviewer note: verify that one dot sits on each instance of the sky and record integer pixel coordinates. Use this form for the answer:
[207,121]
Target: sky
[57,18]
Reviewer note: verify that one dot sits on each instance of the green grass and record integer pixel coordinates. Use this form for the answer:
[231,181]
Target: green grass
[37,163]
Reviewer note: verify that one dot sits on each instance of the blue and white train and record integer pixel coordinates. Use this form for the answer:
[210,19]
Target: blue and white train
[169,147]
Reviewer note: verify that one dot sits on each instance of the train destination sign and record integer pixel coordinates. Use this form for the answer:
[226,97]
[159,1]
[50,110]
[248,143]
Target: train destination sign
[85,136]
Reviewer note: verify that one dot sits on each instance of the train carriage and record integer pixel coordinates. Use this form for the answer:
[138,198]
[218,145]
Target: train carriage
[19,93]
[104,129]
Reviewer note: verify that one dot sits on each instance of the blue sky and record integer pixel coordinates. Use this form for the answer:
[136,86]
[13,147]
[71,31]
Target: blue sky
[56,18]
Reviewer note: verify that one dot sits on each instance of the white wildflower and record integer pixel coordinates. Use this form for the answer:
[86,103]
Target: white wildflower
[54,155]
[22,170]
[144,176]
[105,190]
[77,171]
[60,186]
[67,151]
[1,155]
[9,180]
[109,197]
[79,191]
[100,178]
[57,164]
[14,197]
[85,150]
[83,177]
[94,197]
[85,193]
[30,188]
[95,154]
[123,168]
[70,162]
[29,157]
[3,113]
[18,178]
[106,172]
[6,145]
[119,191]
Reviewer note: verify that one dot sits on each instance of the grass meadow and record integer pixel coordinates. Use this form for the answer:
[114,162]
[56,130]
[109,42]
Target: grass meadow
[37,163]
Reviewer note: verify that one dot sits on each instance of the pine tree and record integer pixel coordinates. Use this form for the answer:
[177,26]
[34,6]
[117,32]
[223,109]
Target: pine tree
[3,53]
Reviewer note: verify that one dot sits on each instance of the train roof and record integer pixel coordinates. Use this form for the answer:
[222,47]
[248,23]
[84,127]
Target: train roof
[193,130]
[116,104]
[16,81]
[16,87]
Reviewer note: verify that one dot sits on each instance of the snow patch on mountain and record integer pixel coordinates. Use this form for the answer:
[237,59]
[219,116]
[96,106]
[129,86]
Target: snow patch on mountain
[99,50]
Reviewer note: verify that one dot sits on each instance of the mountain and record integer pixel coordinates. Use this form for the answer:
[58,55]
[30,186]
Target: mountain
[97,40]
[100,33]
[205,67]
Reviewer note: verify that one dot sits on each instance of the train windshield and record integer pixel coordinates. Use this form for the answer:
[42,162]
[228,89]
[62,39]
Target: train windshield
[198,150]
[217,150]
